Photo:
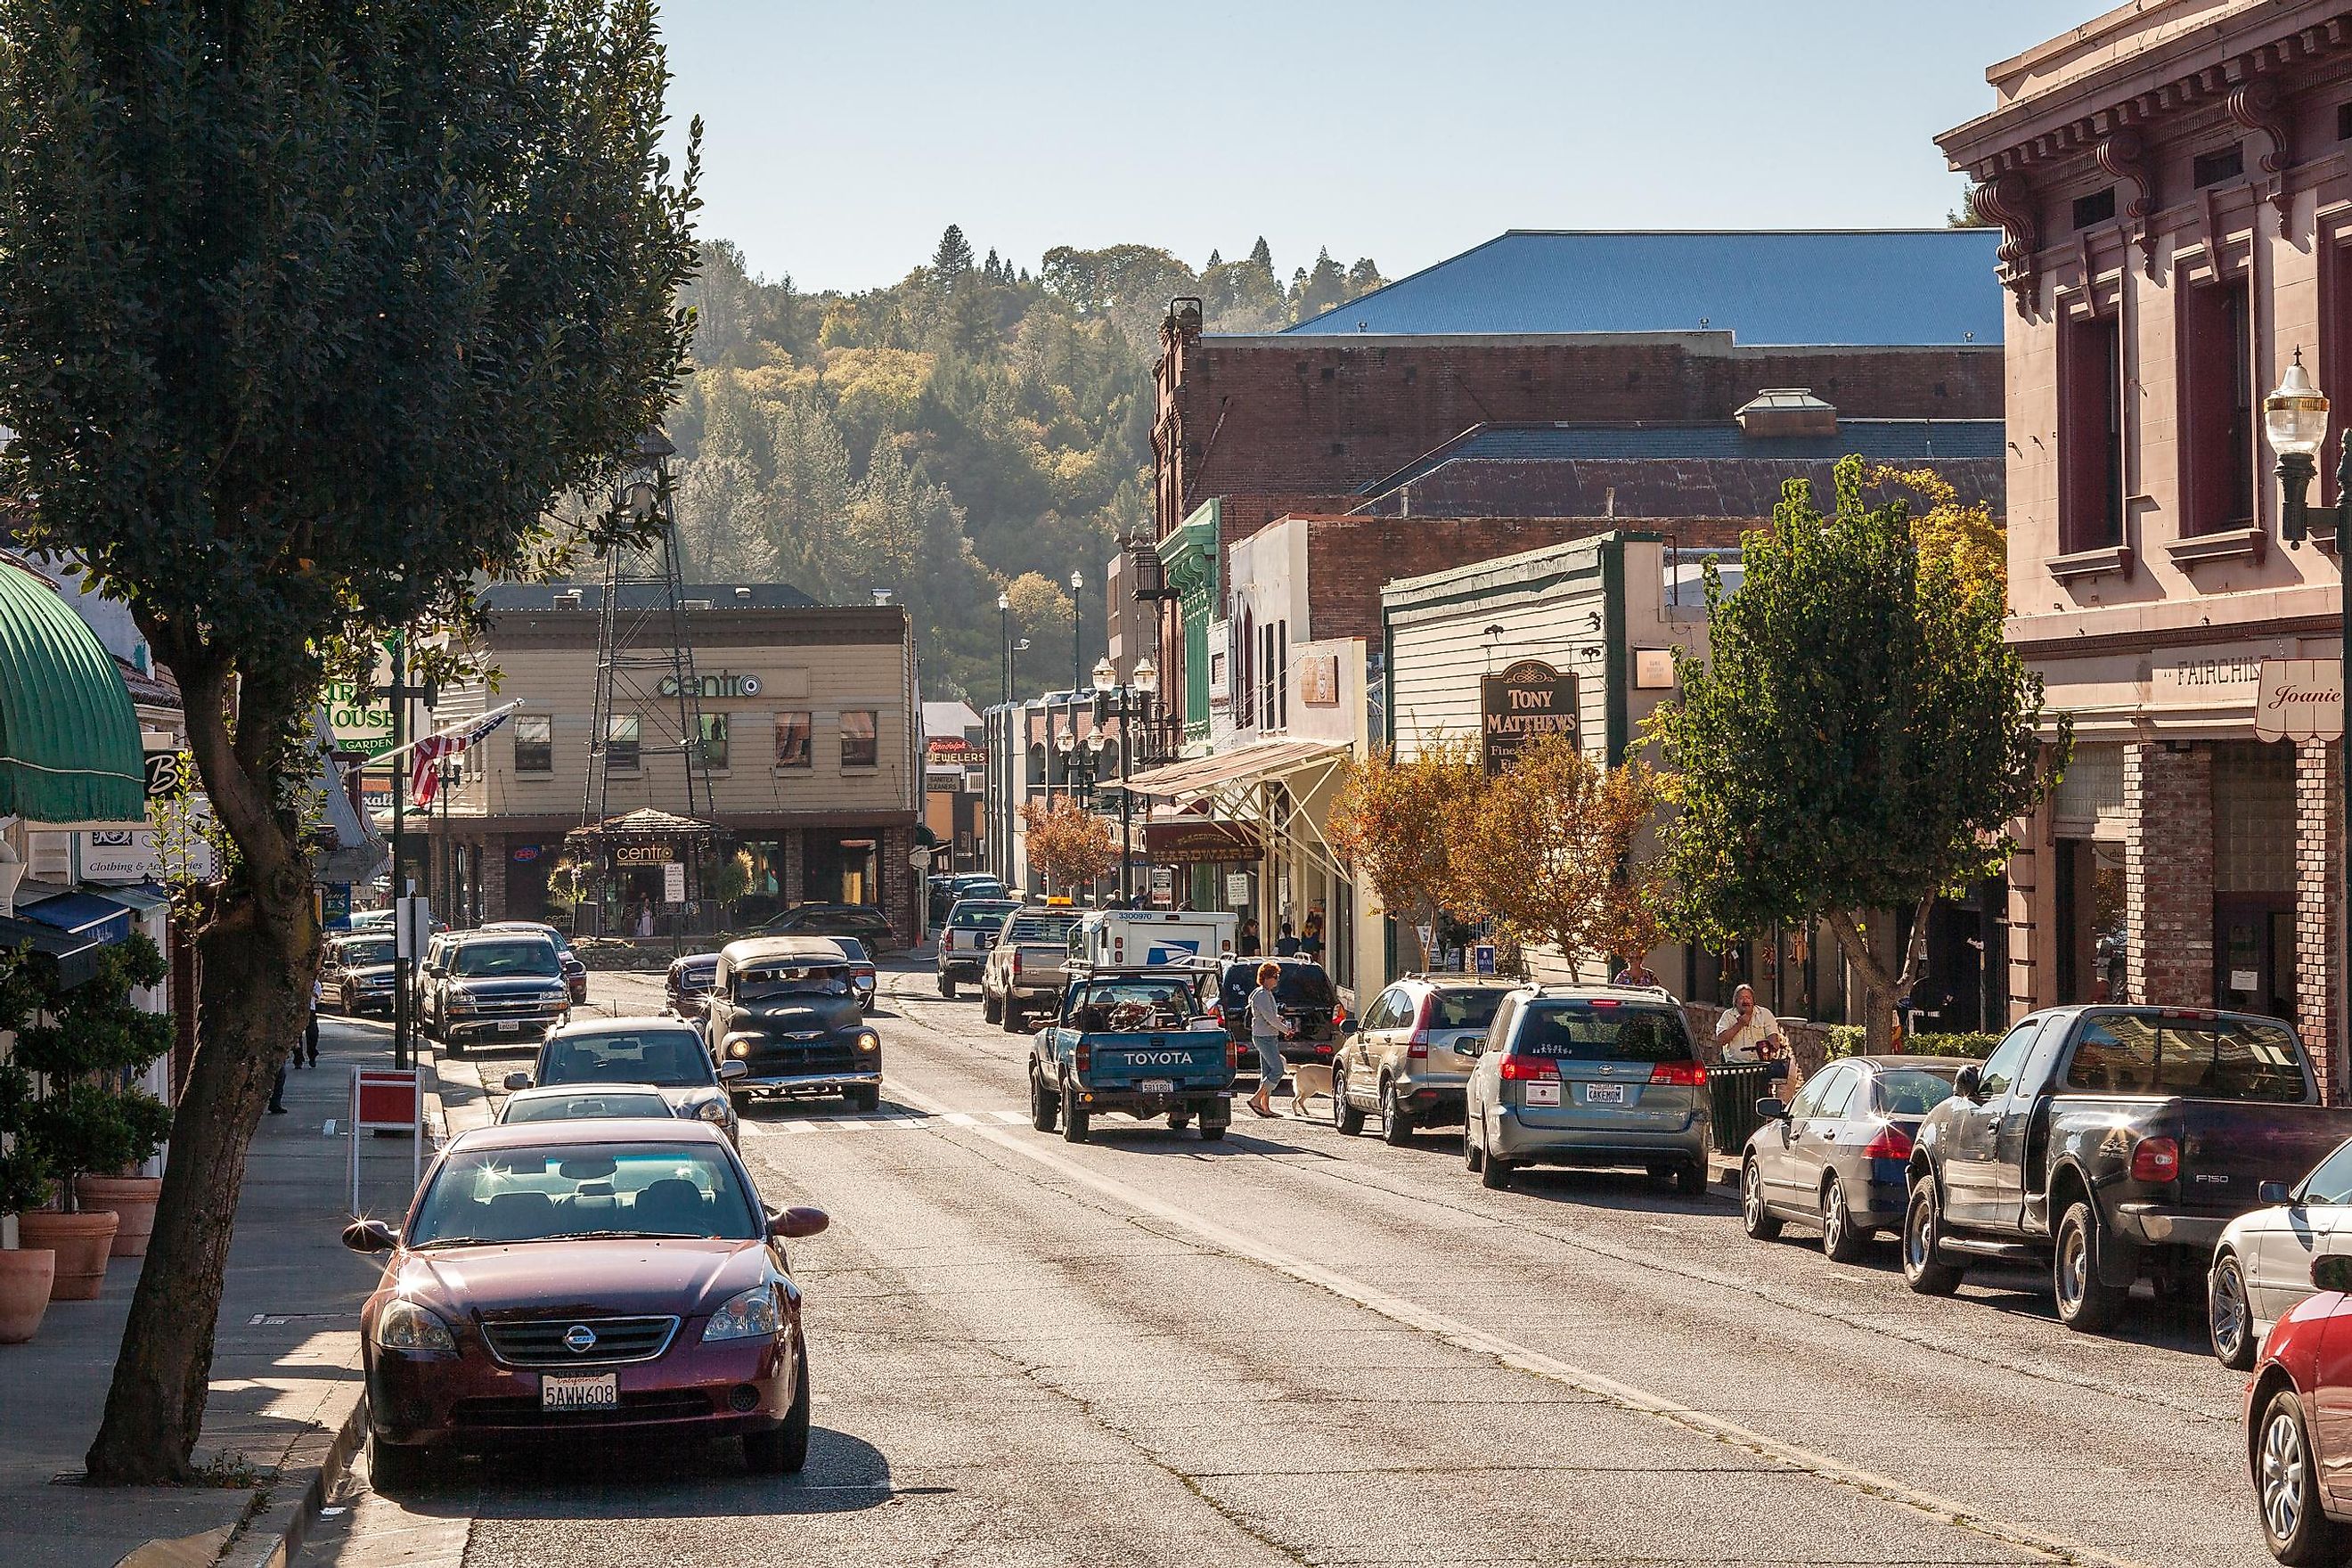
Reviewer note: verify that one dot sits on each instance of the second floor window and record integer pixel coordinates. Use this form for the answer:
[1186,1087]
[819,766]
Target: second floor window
[535,744]
[793,740]
[2091,493]
[860,740]
[2217,410]
[714,741]
[621,740]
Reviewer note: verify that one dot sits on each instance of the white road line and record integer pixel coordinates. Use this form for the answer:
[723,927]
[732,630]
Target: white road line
[1010,1118]
[1463,1335]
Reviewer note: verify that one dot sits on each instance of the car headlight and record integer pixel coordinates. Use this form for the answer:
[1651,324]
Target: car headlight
[403,1325]
[738,1047]
[752,1315]
[867,1040]
[713,1111]
[461,1002]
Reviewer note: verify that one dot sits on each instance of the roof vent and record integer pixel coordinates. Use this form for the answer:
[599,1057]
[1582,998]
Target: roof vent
[694,603]
[742,595]
[1787,411]
[568,600]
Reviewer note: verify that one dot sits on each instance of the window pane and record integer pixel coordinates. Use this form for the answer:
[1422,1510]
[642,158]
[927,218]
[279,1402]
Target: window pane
[535,744]
[621,740]
[1995,1076]
[714,741]
[860,748]
[2332,1182]
[793,740]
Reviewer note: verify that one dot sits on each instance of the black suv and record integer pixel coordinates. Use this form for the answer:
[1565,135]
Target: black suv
[863,922]
[785,1007]
[500,987]
[1303,996]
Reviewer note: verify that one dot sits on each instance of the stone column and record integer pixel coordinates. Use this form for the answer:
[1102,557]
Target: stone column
[2169,872]
[795,866]
[2318,911]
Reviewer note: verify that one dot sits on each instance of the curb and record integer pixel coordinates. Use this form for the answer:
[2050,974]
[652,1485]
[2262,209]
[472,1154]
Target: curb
[273,1537]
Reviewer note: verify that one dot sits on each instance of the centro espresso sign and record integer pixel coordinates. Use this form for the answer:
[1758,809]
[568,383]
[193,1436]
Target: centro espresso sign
[1528,699]
[2300,699]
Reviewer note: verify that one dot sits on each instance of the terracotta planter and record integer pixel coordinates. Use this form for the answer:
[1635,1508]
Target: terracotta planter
[132,1199]
[26,1277]
[80,1241]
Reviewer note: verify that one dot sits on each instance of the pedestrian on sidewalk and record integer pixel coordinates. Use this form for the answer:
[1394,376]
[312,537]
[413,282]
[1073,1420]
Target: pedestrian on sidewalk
[1748,1033]
[1636,973]
[277,1089]
[1267,1031]
[1245,938]
[1285,945]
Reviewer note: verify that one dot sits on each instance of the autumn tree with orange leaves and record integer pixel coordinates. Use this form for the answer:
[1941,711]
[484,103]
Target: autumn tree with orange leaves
[1401,825]
[1070,844]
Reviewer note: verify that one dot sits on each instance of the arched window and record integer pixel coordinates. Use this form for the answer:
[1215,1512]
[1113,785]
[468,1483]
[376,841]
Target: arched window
[1036,763]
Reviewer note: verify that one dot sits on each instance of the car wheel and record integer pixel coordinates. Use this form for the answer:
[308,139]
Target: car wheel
[1044,1108]
[1493,1174]
[1840,1243]
[1344,1116]
[741,1102]
[2229,1319]
[2287,1485]
[454,1048]
[1396,1122]
[947,985]
[1472,1156]
[991,1008]
[1690,1181]
[1924,1268]
[783,1451]
[1014,1020]
[1075,1120]
[865,1096]
[393,1472]
[2085,1302]
[1756,1215]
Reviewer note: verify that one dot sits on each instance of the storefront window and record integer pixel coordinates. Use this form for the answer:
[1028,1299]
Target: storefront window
[714,741]
[621,741]
[843,871]
[793,731]
[535,744]
[860,742]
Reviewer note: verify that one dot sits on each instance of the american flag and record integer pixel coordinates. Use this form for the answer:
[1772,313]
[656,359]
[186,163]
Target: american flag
[424,773]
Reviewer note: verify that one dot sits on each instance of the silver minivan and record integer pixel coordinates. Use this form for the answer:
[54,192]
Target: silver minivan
[1409,1058]
[1592,1075]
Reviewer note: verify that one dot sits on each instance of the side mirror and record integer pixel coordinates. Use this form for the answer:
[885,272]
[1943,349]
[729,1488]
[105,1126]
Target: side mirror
[1348,1026]
[1966,1084]
[369,1236]
[796,1223]
[2332,1272]
[1772,1109]
[515,1081]
[730,1071]
[2270,1193]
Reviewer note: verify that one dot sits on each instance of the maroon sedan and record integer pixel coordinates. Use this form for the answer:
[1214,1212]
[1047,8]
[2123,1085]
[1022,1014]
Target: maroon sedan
[2299,1422]
[562,1277]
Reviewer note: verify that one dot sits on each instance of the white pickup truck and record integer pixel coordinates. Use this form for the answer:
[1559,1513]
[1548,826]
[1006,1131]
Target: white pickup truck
[1025,970]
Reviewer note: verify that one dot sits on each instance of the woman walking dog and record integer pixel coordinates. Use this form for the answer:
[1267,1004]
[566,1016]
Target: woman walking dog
[1267,1031]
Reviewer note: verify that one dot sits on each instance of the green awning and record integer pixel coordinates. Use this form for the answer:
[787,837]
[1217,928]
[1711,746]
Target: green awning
[68,738]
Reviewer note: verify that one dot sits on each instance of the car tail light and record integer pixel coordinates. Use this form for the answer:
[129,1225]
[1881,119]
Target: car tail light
[1016,964]
[1417,1045]
[1232,1055]
[1085,1057]
[1892,1143]
[2156,1160]
[1686,1075]
[1519,1069]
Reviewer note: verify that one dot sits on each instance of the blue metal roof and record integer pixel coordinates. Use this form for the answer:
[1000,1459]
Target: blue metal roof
[1834,287]
[1881,440]
[84,915]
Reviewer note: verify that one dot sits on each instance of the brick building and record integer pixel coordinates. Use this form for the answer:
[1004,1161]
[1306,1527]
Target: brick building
[2175,199]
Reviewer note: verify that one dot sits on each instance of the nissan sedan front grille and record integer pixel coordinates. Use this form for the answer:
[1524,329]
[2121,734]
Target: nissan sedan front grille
[579,1342]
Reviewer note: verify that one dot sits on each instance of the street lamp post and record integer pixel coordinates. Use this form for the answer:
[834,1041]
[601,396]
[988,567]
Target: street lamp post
[2295,417]
[1128,701]
[1078,629]
[1004,616]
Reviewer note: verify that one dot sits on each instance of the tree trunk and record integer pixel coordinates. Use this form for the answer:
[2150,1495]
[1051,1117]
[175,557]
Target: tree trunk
[1871,954]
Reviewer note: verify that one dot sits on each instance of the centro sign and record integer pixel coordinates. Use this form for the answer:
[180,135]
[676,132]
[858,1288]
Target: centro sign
[1528,699]
[721,685]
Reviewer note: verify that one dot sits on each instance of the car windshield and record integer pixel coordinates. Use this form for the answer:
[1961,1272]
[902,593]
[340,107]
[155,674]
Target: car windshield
[2203,1059]
[851,948]
[1119,1006]
[672,1058]
[1602,1031]
[356,954]
[697,976]
[968,916]
[768,981]
[581,1107]
[1303,984]
[482,960]
[1051,930]
[1912,1091]
[577,1190]
[1470,1009]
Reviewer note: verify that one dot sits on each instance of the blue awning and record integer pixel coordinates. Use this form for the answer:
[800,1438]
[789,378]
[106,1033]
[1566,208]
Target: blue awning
[82,914]
[77,956]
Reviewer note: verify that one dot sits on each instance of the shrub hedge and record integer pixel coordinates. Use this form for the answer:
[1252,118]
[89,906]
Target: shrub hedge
[1847,1040]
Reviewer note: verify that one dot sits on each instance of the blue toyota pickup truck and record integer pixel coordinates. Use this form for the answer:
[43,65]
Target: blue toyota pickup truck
[1133,1041]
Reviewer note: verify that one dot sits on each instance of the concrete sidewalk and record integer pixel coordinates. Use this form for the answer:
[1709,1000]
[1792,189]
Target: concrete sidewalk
[286,1386]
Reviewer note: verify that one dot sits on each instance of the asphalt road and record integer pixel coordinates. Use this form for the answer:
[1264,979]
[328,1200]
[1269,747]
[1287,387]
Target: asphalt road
[1294,1347]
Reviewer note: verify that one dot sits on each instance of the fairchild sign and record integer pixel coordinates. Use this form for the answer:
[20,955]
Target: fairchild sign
[2300,699]
[1528,699]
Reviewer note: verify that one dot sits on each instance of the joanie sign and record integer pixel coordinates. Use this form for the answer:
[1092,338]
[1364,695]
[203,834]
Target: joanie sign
[2300,699]
[1528,699]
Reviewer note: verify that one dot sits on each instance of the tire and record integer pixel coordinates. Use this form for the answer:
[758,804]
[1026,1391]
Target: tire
[1755,1217]
[395,1471]
[741,1102]
[1212,1132]
[1344,1116]
[1015,1022]
[1840,1243]
[865,1096]
[991,1008]
[1076,1123]
[1044,1108]
[1690,1181]
[947,985]
[783,1451]
[454,1048]
[1473,1156]
[2229,1320]
[1493,1174]
[1396,1122]
[2287,1487]
[2085,1302]
[1924,1268]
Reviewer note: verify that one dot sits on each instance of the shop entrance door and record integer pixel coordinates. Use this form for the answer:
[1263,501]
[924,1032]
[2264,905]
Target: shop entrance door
[2253,953]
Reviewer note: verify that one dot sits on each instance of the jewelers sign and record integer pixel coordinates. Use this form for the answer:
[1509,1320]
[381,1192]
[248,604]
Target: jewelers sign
[1528,699]
[2300,699]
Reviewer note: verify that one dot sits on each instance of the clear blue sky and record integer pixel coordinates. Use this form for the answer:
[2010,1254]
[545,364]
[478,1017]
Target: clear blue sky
[842,137]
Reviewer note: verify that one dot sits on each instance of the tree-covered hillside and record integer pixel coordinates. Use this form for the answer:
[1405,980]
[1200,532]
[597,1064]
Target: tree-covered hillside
[969,429]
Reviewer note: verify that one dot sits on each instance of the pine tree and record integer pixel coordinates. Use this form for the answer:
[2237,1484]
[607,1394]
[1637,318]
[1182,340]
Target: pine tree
[952,262]
[1215,259]
[1262,256]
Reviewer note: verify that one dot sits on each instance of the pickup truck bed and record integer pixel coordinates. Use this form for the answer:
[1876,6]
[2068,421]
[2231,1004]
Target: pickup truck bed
[1079,1068]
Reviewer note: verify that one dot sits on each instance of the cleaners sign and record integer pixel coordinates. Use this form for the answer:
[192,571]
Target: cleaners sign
[1528,699]
[2300,699]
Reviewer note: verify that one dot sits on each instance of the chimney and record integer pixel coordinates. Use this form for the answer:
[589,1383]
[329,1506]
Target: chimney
[1787,411]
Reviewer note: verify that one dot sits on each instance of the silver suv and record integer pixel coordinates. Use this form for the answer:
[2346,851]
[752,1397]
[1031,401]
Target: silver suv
[1409,1058]
[1588,1075]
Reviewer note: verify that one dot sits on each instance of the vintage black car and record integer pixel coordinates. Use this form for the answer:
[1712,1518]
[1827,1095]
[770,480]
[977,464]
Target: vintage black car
[785,1007]
[686,988]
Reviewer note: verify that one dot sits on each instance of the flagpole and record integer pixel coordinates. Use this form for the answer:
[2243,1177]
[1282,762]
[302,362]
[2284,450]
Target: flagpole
[440,735]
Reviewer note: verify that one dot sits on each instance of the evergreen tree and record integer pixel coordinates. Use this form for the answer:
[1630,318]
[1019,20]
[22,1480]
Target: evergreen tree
[952,262]
[1262,256]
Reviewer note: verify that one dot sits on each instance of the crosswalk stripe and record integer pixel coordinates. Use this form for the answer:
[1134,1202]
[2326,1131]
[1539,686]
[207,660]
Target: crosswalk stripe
[907,1121]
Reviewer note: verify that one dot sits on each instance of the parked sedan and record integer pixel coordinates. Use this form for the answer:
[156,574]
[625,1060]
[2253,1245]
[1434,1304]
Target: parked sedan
[688,984]
[663,1053]
[862,976]
[2298,1445]
[2261,1266]
[575,1277]
[580,1102]
[1836,1156]
[863,922]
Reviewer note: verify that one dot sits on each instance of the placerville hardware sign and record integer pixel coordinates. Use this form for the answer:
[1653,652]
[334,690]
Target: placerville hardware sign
[1528,699]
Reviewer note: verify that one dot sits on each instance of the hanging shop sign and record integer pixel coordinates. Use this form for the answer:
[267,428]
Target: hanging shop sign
[1203,842]
[1528,701]
[1319,680]
[641,855]
[724,684]
[2300,699]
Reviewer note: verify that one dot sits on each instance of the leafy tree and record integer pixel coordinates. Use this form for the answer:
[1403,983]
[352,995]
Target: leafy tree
[1069,844]
[1966,538]
[1547,848]
[1856,741]
[307,314]
[1404,827]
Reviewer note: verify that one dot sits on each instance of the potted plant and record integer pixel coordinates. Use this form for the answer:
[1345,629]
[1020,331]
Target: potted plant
[92,1126]
[27,1273]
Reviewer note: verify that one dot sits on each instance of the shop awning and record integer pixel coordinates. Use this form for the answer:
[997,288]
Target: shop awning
[69,749]
[77,956]
[81,915]
[1199,776]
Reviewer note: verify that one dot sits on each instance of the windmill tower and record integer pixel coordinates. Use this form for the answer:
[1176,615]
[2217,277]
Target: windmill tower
[645,661]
